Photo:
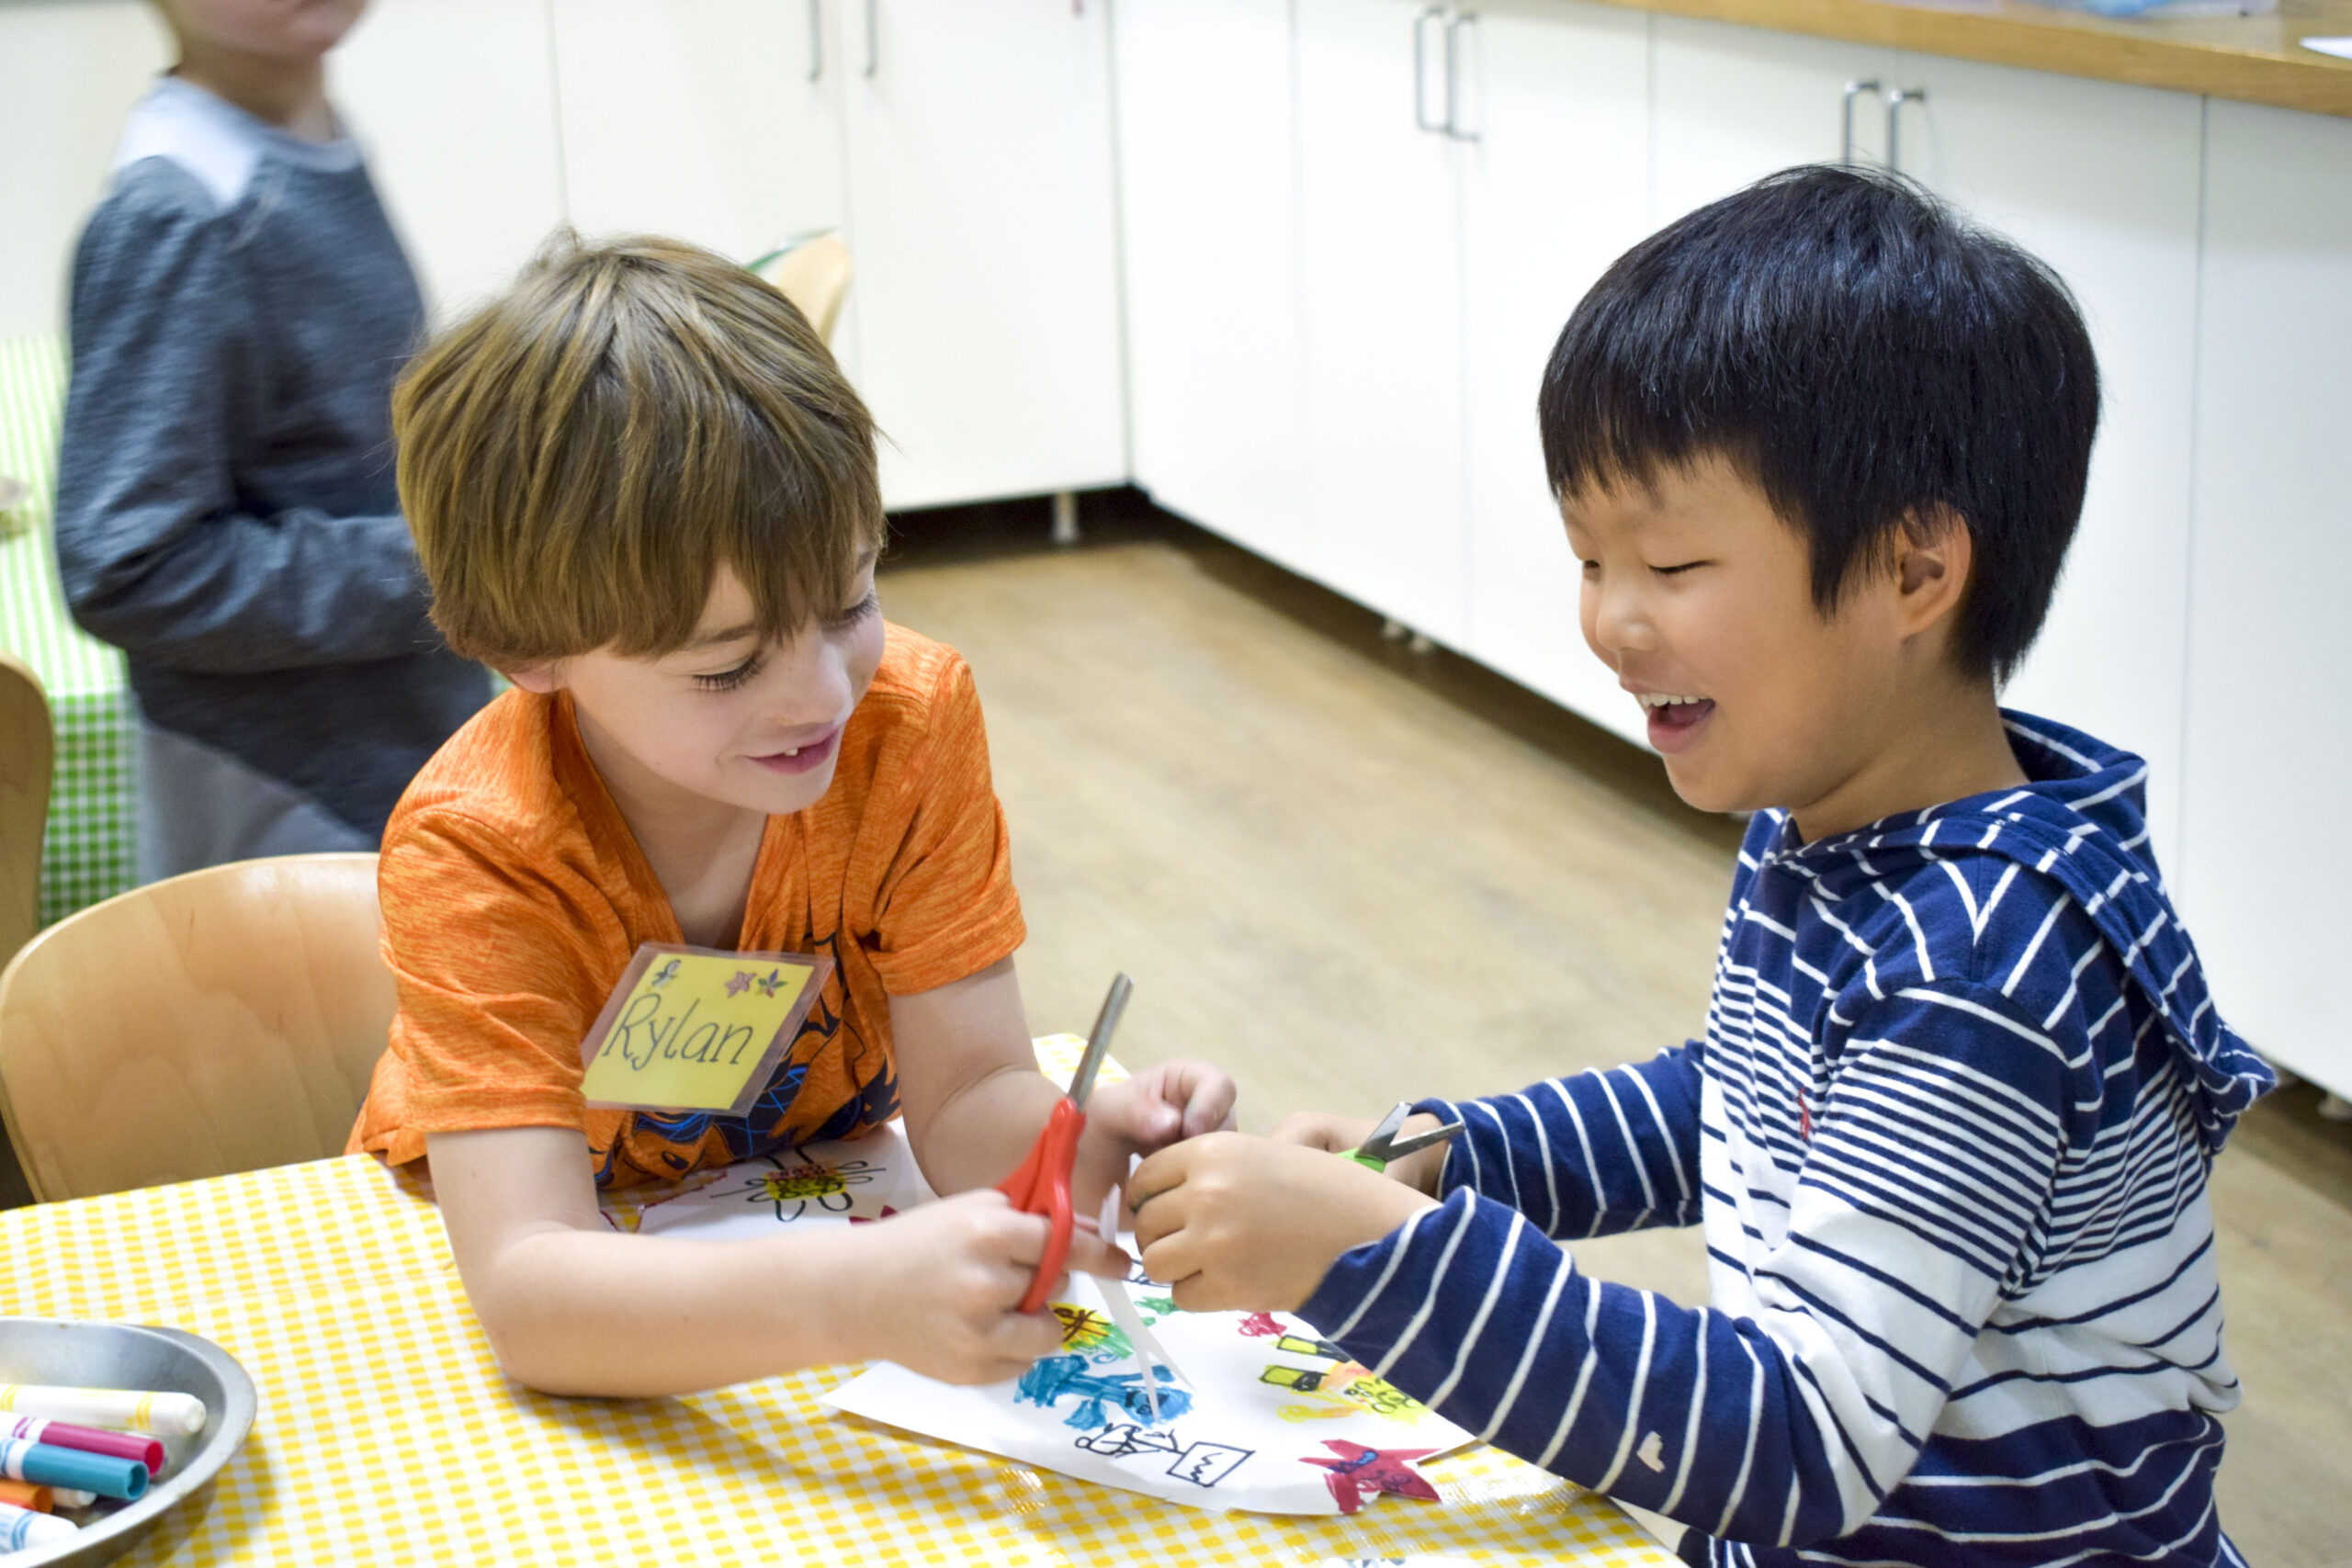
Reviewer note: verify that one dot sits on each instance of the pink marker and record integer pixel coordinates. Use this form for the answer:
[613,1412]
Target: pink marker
[63,1435]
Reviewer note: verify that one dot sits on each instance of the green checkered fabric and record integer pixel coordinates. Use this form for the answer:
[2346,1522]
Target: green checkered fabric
[89,852]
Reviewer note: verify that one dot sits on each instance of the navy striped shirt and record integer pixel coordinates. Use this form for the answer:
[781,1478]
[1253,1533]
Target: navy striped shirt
[1949,1131]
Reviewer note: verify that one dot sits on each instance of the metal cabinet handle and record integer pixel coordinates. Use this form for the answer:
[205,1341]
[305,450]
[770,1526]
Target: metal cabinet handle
[873,42]
[1845,118]
[1421,71]
[816,38]
[1894,102]
[1453,26]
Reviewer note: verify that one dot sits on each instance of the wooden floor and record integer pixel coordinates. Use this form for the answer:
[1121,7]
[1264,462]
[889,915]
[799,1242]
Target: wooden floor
[1352,874]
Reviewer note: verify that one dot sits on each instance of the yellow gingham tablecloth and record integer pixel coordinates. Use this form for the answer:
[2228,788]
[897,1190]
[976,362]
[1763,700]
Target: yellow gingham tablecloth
[387,1435]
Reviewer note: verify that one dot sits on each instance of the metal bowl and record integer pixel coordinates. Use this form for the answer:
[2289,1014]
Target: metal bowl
[122,1355]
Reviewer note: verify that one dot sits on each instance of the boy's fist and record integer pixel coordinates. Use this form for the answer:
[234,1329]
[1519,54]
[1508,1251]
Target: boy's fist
[1165,1103]
[1421,1170]
[1160,1106]
[1249,1224]
[945,1283]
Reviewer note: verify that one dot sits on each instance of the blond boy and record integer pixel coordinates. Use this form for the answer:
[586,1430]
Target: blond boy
[641,487]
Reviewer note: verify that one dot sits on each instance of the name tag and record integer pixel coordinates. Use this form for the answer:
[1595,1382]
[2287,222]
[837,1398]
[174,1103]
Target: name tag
[691,1029]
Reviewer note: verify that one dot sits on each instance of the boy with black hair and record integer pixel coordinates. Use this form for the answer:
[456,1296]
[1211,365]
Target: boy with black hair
[1820,447]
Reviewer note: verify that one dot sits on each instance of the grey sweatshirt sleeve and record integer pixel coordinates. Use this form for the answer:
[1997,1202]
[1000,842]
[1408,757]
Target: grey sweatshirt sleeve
[159,555]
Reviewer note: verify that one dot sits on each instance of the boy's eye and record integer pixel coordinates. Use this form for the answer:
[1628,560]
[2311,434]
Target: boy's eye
[857,611]
[728,679]
[1677,568]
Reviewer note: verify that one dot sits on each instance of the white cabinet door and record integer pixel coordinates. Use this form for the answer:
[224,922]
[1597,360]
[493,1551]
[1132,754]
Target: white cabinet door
[2099,181]
[1380,300]
[983,327]
[1554,188]
[1208,204]
[453,102]
[2265,860]
[1734,104]
[711,121]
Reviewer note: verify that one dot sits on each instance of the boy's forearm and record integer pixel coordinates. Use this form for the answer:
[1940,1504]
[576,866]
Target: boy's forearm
[236,594]
[576,1312]
[1690,1411]
[1593,1155]
[982,1131]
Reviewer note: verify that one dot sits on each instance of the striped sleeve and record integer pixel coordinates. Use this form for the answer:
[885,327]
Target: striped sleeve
[1922,1180]
[1593,1155]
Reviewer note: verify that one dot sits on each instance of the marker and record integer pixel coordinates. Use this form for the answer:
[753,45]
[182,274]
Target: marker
[129,1409]
[21,1528]
[19,1494]
[46,1466]
[148,1452]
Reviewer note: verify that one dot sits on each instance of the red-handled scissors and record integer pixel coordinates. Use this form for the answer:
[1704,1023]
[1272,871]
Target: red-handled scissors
[1042,1184]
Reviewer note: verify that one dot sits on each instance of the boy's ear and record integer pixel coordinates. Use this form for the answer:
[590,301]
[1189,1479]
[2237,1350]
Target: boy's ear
[541,680]
[1934,556]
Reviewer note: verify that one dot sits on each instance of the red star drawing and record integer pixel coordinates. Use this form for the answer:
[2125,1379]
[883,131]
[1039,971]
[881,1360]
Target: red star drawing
[1262,1326]
[741,983]
[1360,1473]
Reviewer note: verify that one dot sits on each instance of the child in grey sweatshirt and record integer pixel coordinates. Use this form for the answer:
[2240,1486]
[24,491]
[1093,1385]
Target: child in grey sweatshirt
[226,508]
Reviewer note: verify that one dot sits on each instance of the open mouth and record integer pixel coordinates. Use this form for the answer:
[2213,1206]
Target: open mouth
[1675,721]
[802,758]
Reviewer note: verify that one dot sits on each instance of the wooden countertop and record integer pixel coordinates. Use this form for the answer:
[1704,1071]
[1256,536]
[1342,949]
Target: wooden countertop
[2256,60]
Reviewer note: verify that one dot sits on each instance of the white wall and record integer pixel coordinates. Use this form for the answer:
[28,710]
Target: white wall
[70,70]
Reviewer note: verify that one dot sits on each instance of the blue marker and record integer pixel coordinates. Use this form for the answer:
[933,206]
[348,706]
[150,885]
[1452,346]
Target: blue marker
[44,1464]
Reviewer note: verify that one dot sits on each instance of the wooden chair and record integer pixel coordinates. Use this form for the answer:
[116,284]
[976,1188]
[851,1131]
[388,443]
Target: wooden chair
[29,744]
[814,275]
[219,1022]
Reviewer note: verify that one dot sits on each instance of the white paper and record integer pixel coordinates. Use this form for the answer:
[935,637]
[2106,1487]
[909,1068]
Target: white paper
[2339,47]
[1268,1396]
[822,1184]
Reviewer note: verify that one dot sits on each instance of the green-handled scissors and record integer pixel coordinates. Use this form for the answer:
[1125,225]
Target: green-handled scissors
[1376,1152]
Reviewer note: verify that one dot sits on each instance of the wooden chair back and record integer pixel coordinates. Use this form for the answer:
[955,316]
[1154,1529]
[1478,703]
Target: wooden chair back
[28,754]
[219,1021]
[814,275]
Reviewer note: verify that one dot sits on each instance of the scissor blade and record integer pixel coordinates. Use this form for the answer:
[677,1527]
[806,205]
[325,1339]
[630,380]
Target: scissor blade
[1121,1308]
[1423,1139]
[1098,1045]
[1377,1146]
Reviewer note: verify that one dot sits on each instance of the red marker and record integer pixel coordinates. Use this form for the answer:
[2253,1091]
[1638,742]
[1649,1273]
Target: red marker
[89,1439]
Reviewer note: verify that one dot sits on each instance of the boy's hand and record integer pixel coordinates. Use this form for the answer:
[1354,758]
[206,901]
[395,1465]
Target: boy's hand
[1249,1224]
[1159,1106]
[1420,1170]
[943,1285]
[1165,1103]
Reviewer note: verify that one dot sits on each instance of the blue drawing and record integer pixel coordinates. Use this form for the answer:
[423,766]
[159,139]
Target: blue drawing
[1051,1379]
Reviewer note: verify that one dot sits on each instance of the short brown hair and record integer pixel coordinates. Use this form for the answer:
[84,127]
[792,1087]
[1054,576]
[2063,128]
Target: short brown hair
[580,454]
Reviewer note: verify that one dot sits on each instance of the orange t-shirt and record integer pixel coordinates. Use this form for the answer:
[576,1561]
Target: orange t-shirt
[513,895]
